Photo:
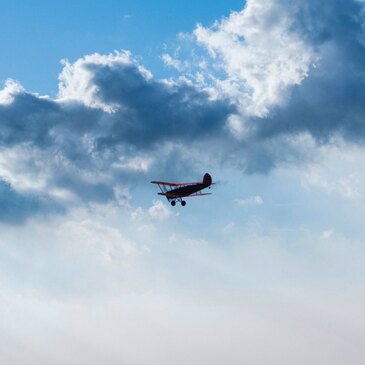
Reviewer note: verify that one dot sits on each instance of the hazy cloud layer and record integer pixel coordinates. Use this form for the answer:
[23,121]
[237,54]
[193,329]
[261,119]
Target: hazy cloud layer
[80,291]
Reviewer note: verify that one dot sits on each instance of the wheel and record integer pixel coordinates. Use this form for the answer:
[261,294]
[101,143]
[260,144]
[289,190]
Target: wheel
[173,203]
[183,203]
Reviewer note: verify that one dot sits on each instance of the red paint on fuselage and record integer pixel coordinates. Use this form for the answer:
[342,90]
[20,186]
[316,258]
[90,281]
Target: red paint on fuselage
[190,189]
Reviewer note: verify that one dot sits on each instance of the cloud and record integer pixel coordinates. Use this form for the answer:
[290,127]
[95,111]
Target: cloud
[159,211]
[260,54]
[81,287]
[112,122]
[293,66]
[327,234]
[337,171]
[255,200]
[278,79]
[10,89]
[170,61]
[15,208]
[263,290]
[295,72]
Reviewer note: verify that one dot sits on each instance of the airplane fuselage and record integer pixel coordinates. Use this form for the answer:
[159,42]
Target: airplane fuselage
[182,190]
[185,191]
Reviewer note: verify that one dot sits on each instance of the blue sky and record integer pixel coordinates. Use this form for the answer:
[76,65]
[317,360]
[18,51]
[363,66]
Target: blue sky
[98,99]
[52,31]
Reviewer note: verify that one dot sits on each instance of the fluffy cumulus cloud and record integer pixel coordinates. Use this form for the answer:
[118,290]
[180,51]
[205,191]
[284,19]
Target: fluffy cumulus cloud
[292,66]
[278,78]
[98,135]
[260,54]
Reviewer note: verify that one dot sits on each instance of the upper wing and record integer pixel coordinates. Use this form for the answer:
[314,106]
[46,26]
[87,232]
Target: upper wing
[174,184]
[171,195]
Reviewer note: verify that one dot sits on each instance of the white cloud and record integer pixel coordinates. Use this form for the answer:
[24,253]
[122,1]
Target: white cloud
[10,89]
[327,234]
[260,53]
[159,211]
[338,170]
[346,186]
[24,168]
[138,214]
[228,227]
[172,62]
[108,242]
[237,126]
[137,163]
[255,200]
[76,79]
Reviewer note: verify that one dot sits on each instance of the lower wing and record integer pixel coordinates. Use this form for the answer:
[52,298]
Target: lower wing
[169,195]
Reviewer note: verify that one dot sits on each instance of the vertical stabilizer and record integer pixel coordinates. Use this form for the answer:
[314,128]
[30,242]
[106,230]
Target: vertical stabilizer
[207,180]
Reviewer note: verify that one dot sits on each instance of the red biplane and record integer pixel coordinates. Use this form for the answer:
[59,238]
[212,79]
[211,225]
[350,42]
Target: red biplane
[177,191]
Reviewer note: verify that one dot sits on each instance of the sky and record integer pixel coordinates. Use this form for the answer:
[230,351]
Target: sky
[99,98]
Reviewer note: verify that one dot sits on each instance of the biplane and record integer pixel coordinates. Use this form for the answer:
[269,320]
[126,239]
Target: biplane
[177,191]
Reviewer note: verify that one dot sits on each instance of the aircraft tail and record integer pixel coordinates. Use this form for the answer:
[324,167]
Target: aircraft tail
[207,180]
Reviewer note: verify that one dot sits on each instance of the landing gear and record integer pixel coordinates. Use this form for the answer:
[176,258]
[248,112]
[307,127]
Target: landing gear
[173,202]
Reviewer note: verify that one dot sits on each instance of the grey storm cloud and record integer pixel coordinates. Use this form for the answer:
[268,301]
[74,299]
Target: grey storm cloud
[112,116]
